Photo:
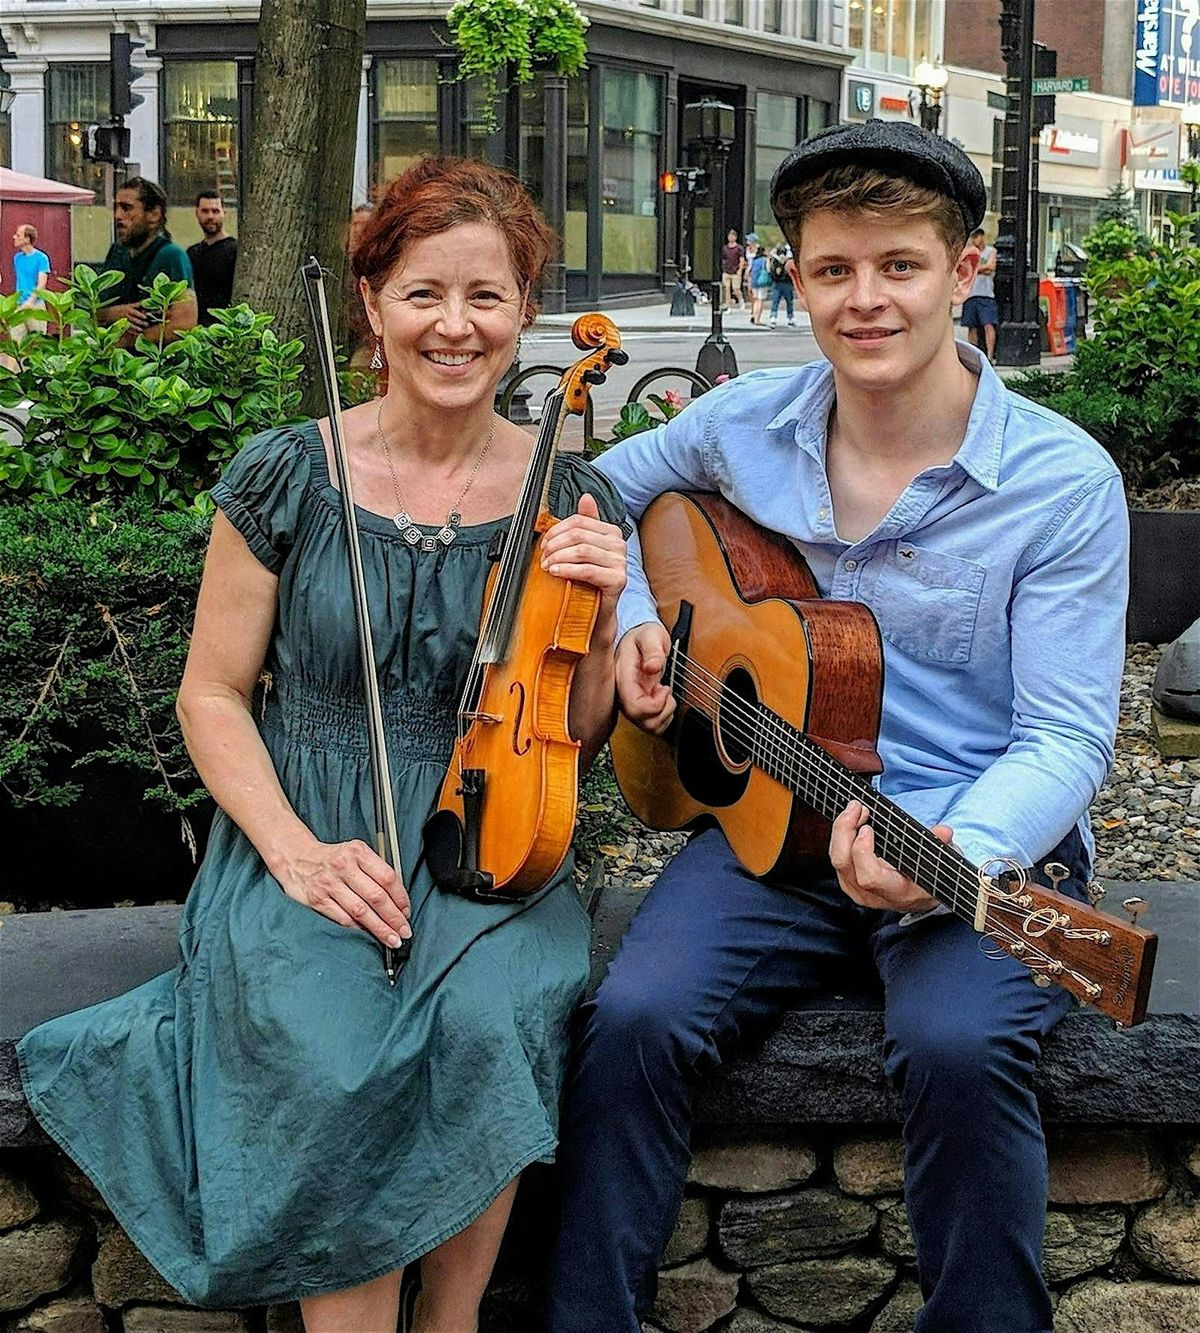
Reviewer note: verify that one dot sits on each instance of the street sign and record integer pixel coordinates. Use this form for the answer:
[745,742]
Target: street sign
[1047,87]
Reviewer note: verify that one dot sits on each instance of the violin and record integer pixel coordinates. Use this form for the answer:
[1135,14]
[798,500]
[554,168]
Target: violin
[505,816]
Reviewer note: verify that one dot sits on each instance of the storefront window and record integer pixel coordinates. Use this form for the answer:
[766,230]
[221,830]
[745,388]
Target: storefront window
[1065,219]
[475,130]
[629,191]
[533,108]
[777,131]
[893,36]
[77,97]
[405,115]
[200,139]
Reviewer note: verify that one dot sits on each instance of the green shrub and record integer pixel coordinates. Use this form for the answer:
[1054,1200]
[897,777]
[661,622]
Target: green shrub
[96,605]
[159,420]
[1135,384]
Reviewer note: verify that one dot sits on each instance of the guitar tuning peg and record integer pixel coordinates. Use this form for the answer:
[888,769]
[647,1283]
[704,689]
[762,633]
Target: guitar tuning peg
[1095,891]
[1056,872]
[1135,907]
[618,357]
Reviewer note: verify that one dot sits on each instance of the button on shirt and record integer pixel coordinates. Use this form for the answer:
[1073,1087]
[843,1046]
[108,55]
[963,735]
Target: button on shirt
[999,581]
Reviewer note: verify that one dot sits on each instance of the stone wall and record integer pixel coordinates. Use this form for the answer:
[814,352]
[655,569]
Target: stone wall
[803,1231]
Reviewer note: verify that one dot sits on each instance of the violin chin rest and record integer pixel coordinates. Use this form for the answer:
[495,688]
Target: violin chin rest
[445,843]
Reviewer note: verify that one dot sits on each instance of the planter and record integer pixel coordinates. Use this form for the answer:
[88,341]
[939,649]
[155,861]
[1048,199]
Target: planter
[1164,574]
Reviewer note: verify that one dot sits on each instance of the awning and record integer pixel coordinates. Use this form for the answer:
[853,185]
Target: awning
[16,185]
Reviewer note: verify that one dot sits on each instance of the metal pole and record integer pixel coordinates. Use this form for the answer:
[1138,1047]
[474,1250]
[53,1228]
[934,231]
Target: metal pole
[716,356]
[1018,338]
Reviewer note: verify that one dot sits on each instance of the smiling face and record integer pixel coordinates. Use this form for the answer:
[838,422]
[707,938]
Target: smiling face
[449,315]
[879,294]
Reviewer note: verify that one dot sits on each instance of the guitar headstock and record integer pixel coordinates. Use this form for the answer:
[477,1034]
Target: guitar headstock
[1102,961]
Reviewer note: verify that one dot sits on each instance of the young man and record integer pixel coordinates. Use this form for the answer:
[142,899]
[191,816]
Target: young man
[989,538]
[31,270]
[980,311]
[733,262]
[213,259]
[143,248]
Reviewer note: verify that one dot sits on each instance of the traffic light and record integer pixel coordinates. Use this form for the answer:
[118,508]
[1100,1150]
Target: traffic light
[1045,66]
[122,98]
[668,183]
[105,143]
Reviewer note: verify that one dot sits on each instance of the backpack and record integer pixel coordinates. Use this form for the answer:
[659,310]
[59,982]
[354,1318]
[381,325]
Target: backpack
[759,277]
[778,269]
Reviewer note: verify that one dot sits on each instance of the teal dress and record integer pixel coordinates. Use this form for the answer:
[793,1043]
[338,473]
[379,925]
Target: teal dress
[271,1120]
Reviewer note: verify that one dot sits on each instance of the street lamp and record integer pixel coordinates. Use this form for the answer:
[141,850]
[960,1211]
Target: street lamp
[932,80]
[709,128]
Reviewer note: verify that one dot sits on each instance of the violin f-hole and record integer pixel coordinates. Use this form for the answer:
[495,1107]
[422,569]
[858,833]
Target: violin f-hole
[518,748]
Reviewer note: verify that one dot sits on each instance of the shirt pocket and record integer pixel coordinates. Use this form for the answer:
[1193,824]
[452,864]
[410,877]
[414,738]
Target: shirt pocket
[927,602]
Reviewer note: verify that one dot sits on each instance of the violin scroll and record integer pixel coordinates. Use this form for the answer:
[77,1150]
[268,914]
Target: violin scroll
[598,333]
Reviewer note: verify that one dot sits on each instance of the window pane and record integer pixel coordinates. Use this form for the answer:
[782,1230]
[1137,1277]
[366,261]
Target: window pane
[476,132]
[735,11]
[776,134]
[200,110]
[575,240]
[806,25]
[694,7]
[405,111]
[630,202]
[857,13]
[631,101]
[923,30]
[773,15]
[77,96]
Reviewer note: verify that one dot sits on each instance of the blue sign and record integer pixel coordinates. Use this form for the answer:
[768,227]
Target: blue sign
[1166,52]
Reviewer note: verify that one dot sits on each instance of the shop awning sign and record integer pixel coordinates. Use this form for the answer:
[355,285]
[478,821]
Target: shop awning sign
[1151,146]
[1071,140]
[1166,52]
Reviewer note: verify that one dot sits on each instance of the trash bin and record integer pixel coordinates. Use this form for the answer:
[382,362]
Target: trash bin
[1052,292]
[1070,288]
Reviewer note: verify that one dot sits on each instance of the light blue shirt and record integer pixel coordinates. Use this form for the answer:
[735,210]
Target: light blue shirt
[999,582]
[26,270]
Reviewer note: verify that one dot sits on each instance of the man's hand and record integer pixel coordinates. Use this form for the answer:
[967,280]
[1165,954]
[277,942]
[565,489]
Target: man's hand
[866,879]
[138,318]
[641,657]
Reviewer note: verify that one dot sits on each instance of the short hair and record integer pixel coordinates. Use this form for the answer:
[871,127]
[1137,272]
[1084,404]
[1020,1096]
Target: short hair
[30,231]
[437,193]
[979,231]
[150,194]
[208,194]
[849,189]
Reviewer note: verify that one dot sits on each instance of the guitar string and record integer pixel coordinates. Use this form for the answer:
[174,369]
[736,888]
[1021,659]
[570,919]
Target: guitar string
[781,748]
[998,930]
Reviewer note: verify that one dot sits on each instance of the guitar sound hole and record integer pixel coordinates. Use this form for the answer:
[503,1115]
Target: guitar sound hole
[736,717]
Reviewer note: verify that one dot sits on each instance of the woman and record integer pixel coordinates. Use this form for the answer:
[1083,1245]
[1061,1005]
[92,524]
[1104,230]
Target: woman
[759,278]
[272,1120]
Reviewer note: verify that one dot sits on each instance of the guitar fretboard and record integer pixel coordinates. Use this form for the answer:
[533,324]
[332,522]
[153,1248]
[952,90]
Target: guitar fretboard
[787,755]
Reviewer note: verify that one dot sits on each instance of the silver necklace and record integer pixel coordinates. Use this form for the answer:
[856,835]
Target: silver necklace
[402,519]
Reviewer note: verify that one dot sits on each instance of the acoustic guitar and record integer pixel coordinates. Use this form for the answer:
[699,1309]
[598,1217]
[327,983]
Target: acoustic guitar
[778,699]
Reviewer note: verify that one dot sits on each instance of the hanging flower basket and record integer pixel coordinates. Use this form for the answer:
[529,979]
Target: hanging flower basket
[509,39]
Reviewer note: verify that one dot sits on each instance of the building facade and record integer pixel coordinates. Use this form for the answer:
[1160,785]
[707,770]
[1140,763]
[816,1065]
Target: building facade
[787,67]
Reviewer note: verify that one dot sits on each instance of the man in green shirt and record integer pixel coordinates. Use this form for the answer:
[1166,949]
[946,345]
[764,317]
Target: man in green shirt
[143,248]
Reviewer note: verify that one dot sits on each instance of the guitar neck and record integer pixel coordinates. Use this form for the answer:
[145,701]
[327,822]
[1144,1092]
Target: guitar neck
[828,786]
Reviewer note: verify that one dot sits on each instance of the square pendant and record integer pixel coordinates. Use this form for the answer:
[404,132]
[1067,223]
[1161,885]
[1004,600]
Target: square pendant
[428,543]
[413,536]
[447,536]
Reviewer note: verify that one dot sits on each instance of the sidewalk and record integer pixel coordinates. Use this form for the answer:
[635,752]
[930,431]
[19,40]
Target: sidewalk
[655,317]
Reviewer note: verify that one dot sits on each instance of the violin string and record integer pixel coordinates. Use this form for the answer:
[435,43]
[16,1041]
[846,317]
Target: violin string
[801,764]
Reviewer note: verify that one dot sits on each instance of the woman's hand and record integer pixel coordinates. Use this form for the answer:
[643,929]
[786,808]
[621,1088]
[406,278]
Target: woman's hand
[865,878]
[351,884]
[588,550]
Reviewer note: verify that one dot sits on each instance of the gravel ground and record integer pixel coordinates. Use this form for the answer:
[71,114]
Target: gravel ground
[1146,820]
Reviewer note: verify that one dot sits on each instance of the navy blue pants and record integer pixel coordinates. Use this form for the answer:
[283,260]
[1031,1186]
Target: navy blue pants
[712,955]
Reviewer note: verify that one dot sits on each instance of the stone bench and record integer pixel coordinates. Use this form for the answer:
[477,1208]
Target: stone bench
[794,1215]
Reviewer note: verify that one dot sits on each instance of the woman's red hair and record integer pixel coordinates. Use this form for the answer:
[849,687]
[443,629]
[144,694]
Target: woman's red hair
[438,193]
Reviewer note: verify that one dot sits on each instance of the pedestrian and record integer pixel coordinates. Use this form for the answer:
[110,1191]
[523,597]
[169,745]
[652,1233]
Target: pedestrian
[989,537]
[782,289]
[980,311]
[143,249]
[31,271]
[271,1121]
[760,283]
[733,262]
[213,259]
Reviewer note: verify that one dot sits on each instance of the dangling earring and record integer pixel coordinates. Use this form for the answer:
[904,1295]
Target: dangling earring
[377,359]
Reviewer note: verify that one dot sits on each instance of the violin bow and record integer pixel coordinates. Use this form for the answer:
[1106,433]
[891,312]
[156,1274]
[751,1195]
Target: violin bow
[387,842]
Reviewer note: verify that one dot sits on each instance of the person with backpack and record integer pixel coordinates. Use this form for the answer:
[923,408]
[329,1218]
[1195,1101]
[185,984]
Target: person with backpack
[781,283]
[760,279]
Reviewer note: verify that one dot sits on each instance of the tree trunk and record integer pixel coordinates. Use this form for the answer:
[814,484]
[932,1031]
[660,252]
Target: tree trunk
[308,69]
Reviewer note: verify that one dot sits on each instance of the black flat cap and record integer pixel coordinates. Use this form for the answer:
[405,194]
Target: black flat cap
[897,148]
